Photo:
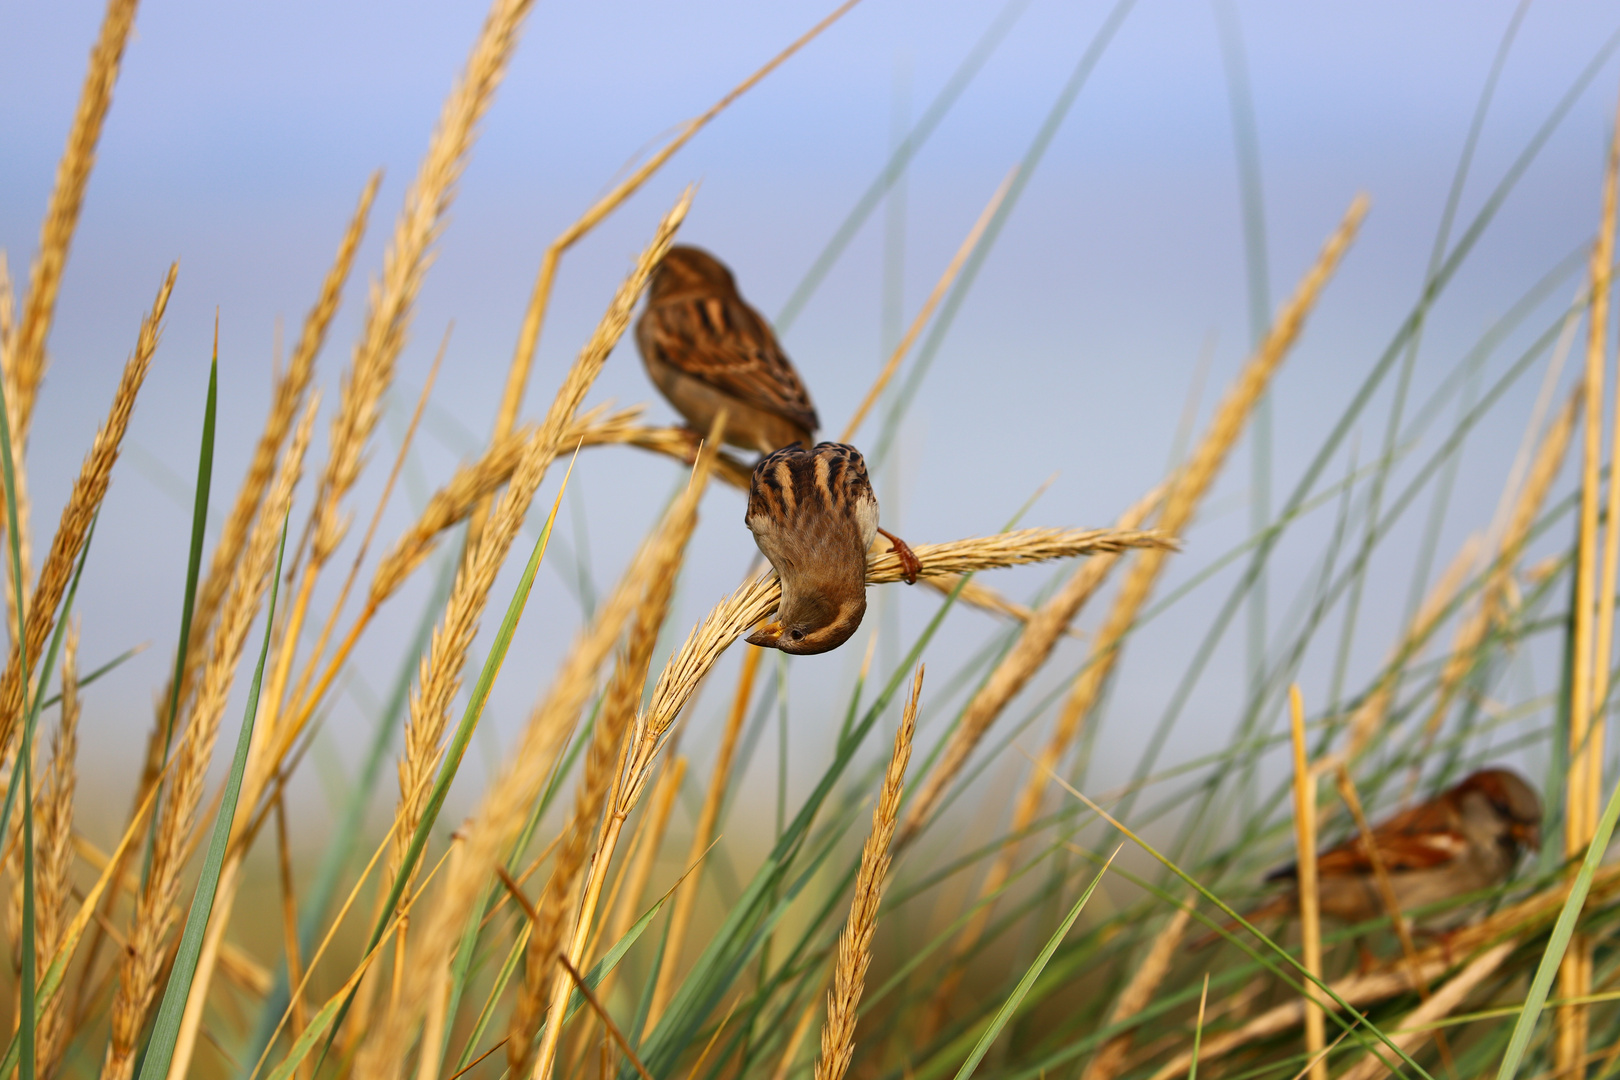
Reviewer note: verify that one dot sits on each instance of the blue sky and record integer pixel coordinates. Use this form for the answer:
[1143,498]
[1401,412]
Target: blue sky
[241,135]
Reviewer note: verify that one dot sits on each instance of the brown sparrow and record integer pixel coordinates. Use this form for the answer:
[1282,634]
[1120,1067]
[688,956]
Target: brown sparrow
[1465,839]
[813,515]
[706,349]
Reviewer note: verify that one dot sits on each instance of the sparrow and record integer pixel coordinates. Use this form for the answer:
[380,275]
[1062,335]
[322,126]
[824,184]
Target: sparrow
[813,515]
[707,349]
[1466,839]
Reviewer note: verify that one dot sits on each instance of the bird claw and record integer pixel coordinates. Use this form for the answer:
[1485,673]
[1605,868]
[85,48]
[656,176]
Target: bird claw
[910,567]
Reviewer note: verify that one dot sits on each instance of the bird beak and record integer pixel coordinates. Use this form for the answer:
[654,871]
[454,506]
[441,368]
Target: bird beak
[1528,835]
[767,636]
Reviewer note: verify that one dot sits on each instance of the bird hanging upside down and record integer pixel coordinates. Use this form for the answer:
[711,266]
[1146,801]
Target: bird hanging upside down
[813,515]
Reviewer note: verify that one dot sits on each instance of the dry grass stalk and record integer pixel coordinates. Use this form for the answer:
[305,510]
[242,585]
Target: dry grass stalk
[855,944]
[284,660]
[26,368]
[1137,995]
[1310,910]
[54,860]
[155,911]
[505,806]
[1185,493]
[1031,651]
[289,921]
[1190,485]
[686,895]
[1356,990]
[472,483]
[517,376]
[625,902]
[548,437]
[1386,887]
[439,679]
[405,265]
[927,310]
[1496,594]
[441,671]
[1575,977]
[1440,1005]
[83,502]
[561,923]
[285,401]
[1584,786]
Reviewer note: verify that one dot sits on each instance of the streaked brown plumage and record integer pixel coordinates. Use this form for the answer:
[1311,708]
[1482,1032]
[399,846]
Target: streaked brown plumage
[1466,839]
[707,349]
[813,515]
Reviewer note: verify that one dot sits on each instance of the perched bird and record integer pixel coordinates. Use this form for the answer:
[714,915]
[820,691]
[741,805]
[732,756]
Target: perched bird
[813,515]
[706,349]
[1465,839]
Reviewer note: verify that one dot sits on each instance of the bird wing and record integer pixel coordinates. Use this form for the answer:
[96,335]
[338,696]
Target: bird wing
[723,342]
[1426,836]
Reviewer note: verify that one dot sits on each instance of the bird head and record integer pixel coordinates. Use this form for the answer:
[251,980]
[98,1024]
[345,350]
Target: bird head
[813,624]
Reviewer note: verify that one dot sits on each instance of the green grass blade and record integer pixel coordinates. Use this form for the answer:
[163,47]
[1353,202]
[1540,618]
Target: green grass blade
[199,526]
[199,530]
[897,163]
[458,744]
[1010,1006]
[166,1029]
[27,1030]
[105,669]
[1556,946]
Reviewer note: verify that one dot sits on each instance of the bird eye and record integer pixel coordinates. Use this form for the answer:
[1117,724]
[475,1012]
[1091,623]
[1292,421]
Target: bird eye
[796,635]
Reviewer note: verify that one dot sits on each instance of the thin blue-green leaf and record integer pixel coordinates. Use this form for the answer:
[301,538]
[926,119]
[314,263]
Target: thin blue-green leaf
[1011,1005]
[166,1029]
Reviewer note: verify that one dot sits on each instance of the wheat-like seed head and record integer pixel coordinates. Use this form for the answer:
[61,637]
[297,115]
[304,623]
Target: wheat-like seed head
[288,395]
[855,944]
[27,359]
[405,266]
[737,613]
[83,502]
[504,808]
[54,862]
